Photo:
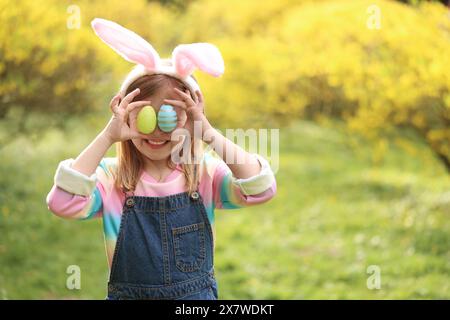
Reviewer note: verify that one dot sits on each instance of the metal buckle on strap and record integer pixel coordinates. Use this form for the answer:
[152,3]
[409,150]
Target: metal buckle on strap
[195,195]
[130,202]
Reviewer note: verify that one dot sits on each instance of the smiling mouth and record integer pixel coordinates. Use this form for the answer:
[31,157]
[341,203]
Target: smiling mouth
[155,144]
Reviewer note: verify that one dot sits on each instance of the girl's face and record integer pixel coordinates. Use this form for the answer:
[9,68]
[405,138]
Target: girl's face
[158,145]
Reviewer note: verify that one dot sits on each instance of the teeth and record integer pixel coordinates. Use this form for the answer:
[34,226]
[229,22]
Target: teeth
[156,142]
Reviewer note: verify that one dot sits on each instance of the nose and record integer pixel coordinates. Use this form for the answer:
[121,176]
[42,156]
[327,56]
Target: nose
[158,134]
[158,131]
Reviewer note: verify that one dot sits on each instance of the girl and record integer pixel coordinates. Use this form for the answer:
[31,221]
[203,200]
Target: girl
[158,213]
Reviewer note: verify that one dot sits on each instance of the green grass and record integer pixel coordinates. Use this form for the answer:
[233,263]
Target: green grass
[337,211]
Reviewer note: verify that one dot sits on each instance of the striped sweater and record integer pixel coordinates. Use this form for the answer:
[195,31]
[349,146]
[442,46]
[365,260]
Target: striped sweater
[77,196]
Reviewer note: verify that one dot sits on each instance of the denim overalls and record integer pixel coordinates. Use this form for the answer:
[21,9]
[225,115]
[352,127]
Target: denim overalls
[164,250]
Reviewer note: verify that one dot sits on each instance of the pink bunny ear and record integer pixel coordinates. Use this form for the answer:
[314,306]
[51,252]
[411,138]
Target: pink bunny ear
[205,56]
[128,44]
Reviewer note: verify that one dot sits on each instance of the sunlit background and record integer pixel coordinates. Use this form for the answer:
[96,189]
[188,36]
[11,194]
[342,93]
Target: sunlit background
[360,91]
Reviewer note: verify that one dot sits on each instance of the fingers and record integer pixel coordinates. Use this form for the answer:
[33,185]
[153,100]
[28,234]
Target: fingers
[199,96]
[114,103]
[114,99]
[137,104]
[199,99]
[185,96]
[196,98]
[133,133]
[182,94]
[176,103]
[128,98]
[182,118]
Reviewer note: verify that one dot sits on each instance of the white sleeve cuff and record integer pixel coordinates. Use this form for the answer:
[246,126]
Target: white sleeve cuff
[73,181]
[258,183]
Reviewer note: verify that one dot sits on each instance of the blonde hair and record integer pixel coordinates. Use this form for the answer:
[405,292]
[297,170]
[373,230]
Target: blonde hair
[130,160]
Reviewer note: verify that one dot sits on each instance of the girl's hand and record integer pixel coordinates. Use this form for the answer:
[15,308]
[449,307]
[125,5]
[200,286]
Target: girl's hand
[119,127]
[193,108]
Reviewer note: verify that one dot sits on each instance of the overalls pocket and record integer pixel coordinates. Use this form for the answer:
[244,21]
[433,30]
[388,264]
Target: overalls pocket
[189,246]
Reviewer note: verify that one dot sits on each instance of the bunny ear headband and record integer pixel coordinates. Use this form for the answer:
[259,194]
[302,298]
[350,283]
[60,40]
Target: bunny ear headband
[185,57]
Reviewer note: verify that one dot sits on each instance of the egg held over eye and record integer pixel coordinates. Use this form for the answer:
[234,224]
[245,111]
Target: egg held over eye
[146,120]
[167,118]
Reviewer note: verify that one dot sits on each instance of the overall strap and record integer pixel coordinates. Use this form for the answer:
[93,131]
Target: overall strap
[128,197]
[194,193]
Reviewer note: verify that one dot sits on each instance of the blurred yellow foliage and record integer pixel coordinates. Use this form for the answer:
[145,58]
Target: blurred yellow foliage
[291,59]
[284,59]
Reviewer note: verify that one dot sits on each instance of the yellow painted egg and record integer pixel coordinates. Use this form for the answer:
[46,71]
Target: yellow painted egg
[146,120]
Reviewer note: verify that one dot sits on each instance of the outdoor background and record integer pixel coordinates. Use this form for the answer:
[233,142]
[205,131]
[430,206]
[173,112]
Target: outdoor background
[360,91]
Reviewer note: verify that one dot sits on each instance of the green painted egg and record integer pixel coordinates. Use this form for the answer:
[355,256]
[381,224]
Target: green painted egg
[146,120]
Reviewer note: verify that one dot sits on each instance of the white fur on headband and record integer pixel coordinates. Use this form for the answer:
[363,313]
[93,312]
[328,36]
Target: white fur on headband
[140,71]
[186,58]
